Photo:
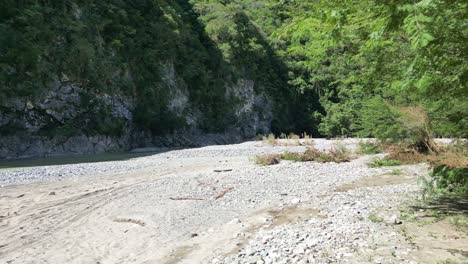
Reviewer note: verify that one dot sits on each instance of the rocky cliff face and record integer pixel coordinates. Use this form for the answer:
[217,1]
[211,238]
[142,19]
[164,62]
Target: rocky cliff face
[96,76]
[46,125]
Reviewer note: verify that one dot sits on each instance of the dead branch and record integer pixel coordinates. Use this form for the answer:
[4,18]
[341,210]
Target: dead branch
[222,170]
[221,194]
[186,198]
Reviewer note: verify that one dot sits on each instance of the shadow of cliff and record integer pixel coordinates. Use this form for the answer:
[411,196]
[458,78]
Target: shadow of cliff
[76,159]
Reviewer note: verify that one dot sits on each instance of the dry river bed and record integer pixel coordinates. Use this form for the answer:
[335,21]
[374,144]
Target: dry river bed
[214,205]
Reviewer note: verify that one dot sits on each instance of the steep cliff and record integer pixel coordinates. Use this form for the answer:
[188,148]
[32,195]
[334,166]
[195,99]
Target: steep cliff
[91,76]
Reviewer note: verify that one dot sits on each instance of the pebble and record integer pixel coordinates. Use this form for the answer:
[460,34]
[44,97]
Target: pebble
[295,201]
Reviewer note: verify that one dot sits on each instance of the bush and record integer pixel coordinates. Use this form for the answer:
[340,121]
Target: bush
[312,154]
[398,124]
[293,136]
[448,180]
[266,160]
[369,148]
[459,221]
[271,139]
[292,156]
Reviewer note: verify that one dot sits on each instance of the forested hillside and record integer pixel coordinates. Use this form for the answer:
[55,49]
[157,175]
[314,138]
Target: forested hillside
[369,62]
[117,69]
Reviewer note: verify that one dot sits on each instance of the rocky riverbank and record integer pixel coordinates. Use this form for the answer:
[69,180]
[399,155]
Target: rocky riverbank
[214,205]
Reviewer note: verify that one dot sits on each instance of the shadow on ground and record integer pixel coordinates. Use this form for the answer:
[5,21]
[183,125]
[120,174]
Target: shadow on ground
[449,205]
[74,159]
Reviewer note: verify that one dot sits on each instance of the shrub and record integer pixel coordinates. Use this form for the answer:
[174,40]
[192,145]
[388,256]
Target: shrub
[292,156]
[260,136]
[448,180]
[459,221]
[369,148]
[340,154]
[406,156]
[312,154]
[268,159]
[271,139]
[398,124]
[293,136]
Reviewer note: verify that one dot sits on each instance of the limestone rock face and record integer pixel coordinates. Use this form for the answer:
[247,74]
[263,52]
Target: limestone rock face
[50,123]
[254,111]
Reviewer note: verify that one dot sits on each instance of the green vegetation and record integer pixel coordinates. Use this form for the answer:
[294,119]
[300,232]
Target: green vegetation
[383,163]
[396,172]
[445,180]
[449,176]
[369,148]
[126,48]
[394,70]
[293,156]
[362,65]
[375,219]
[459,221]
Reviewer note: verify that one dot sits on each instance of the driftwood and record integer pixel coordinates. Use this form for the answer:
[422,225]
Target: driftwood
[221,194]
[222,170]
[186,198]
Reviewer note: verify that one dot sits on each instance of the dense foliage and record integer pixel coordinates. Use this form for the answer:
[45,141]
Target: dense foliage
[335,68]
[368,61]
[122,47]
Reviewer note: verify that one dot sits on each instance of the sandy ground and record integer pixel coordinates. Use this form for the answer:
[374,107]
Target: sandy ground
[197,208]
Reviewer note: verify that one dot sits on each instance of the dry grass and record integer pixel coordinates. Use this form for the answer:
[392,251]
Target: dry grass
[415,121]
[453,156]
[407,157]
[449,159]
[288,142]
[312,154]
[268,159]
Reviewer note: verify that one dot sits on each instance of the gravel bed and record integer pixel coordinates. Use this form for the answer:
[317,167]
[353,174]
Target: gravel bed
[235,211]
[340,233]
[16,176]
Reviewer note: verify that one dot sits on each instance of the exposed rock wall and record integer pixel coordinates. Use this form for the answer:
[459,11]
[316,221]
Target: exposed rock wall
[46,125]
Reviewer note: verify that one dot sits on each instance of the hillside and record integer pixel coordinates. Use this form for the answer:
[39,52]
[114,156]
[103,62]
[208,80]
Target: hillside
[93,76]
[85,76]
[233,131]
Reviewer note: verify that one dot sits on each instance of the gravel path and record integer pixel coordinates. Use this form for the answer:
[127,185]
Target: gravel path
[207,205]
